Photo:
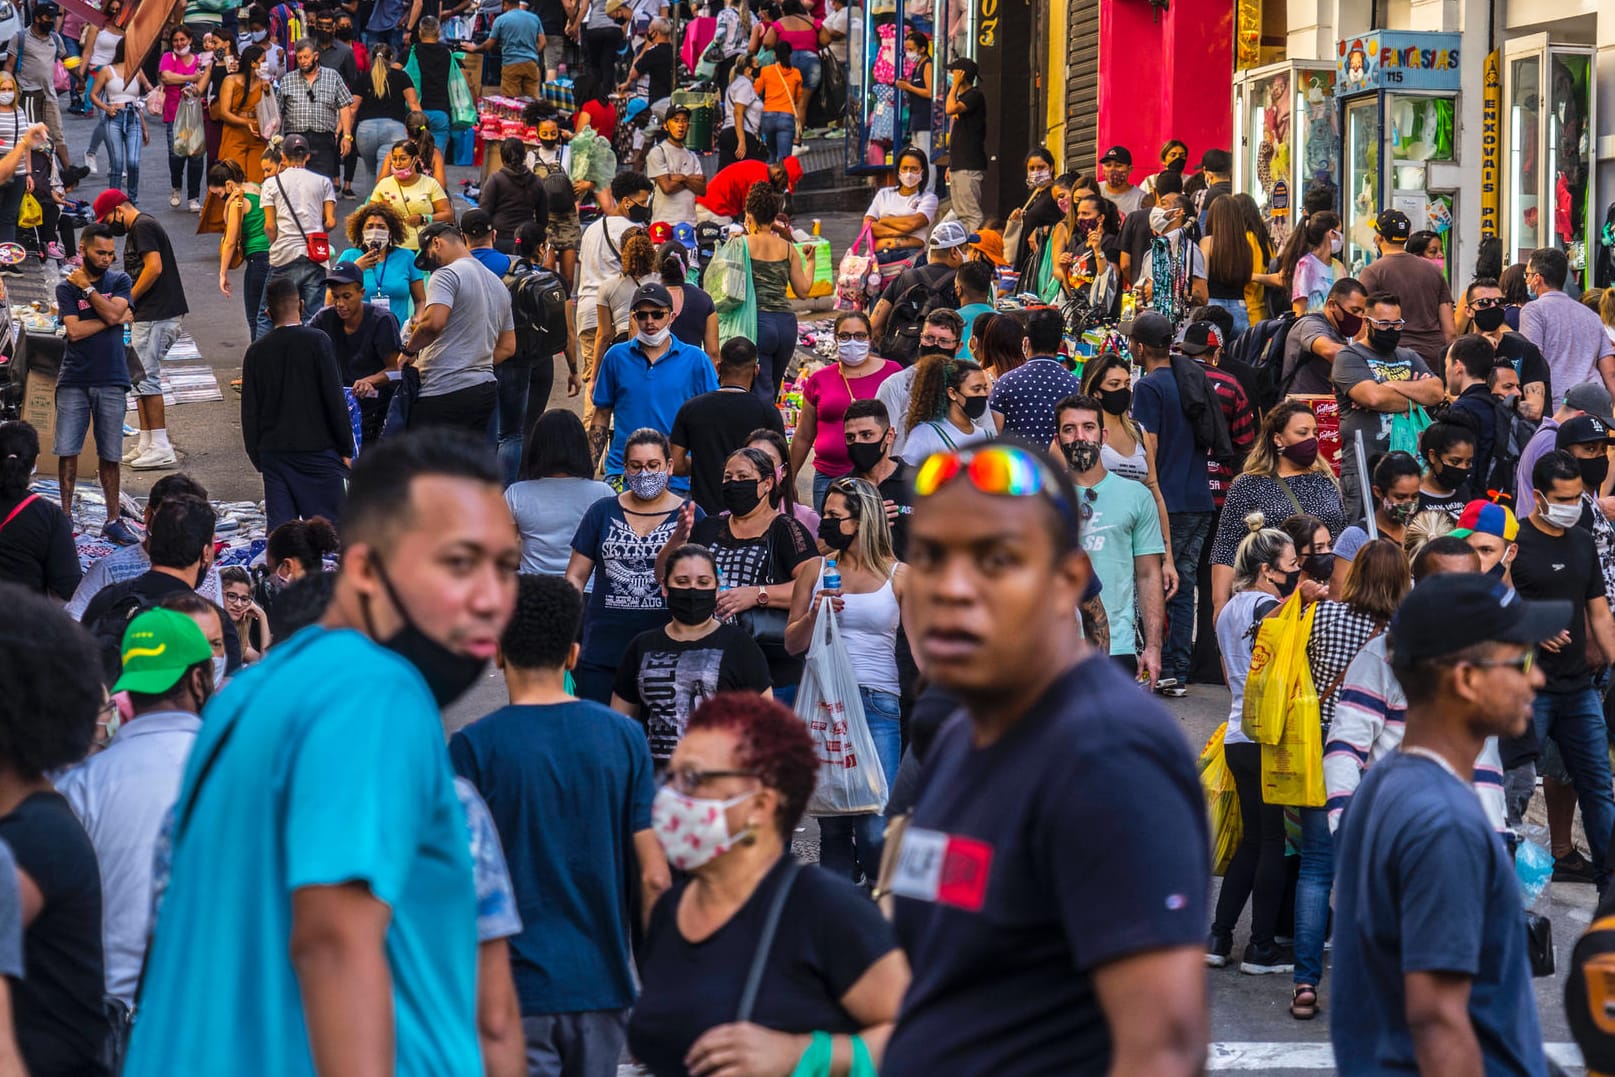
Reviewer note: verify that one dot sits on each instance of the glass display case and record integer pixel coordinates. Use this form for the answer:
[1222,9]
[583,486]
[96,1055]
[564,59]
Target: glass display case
[1547,155]
[886,109]
[1360,202]
[1288,134]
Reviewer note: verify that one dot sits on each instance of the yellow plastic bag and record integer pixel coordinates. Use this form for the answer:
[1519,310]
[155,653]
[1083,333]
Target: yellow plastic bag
[1278,670]
[29,214]
[1292,769]
[1222,801]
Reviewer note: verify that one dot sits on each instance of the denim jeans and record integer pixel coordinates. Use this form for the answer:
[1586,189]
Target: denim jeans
[123,151]
[1312,894]
[151,341]
[851,844]
[186,170]
[821,486]
[776,343]
[808,64]
[254,280]
[310,279]
[439,123]
[1236,307]
[98,137]
[1575,721]
[524,392]
[1190,531]
[373,141]
[779,131]
[393,37]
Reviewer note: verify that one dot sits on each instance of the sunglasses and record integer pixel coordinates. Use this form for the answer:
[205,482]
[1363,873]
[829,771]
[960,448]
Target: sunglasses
[999,470]
[1485,304]
[650,315]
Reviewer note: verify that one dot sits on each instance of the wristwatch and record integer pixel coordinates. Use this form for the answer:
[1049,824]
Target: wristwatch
[762,596]
[87,291]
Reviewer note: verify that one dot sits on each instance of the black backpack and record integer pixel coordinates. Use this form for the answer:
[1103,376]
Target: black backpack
[108,629]
[932,291]
[1203,410]
[538,307]
[1262,348]
[1510,432]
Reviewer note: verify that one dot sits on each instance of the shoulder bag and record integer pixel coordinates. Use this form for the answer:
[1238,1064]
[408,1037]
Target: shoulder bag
[316,245]
[14,513]
[766,623]
[765,941]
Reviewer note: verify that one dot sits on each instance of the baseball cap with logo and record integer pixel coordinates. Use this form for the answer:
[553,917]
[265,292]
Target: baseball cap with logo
[1454,611]
[158,647]
[475,223]
[951,234]
[1119,154]
[1582,430]
[1486,518]
[344,273]
[1394,225]
[1200,338]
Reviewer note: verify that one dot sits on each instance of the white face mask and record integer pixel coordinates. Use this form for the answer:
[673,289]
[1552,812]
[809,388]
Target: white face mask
[852,352]
[912,56]
[692,831]
[7,96]
[908,178]
[182,50]
[1161,220]
[218,672]
[1335,243]
[1565,516]
[256,36]
[655,338]
[376,237]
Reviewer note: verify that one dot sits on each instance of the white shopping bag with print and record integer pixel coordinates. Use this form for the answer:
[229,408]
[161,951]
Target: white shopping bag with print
[851,780]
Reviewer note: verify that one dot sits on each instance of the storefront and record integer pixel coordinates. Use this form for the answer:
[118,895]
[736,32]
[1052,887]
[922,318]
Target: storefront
[1286,137]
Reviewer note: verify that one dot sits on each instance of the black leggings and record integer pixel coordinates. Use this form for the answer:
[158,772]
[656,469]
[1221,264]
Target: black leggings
[600,47]
[1256,871]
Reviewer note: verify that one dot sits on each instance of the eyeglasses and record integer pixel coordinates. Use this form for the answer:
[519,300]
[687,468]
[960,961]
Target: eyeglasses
[236,600]
[847,338]
[937,342]
[1523,664]
[1000,470]
[689,780]
[650,315]
[1378,324]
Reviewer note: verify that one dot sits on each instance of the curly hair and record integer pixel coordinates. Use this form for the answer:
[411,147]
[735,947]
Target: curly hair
[771,742]
[544,624]
[934,375]
[49,695]
[763,203]
[356,222]
[638,254]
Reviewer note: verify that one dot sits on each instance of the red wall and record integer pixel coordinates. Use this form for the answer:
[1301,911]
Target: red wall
[1164,77]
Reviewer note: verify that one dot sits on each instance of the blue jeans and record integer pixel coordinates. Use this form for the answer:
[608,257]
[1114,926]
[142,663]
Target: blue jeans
[439,123]
[1312,894]
[253,282]
[850,844]
[779,131]
[1236,307]
[776,343]
[78,408]
[123,150]
[373,141]
[98,137]
[821,486]
[310,278]
[1575,721]
[393,37]
[524,392]
[1189,532]
[808,63]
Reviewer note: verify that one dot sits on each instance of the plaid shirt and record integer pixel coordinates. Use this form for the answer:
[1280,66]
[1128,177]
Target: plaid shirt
[312,109]
[1241,419]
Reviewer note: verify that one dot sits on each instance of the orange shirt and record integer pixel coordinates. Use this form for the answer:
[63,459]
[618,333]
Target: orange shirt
[779,87]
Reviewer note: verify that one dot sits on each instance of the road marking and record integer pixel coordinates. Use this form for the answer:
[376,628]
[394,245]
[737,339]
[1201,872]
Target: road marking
[1320,1056]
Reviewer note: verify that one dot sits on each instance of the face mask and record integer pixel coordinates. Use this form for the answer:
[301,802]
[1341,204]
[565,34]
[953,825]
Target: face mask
[692,605]
[179,50]
[740,496]
[1488,320]
[831,535]
[647,485]
[1497,570]
[1039,177]
[1384,340]
[1302,454]
[118,228]
[692,831]
[377,237]
[908,178]
[852,352]
[1320,566]
[405,174]
[447,673]
[256,36]
[1161,220]
[911,56]
[1116,401]
[1081,455]
[7,97]
[1065,206]
[1288,584]
[1530,292]
[654,338]
[1594,471]
[344,33]
[975,406]
[549,143]
[866,454]
[1402,513]
[1084,228]
[326,36]
[639,213]
[1565,516]
[1334,244]
[218,672]
[1451,478]
[1349,324]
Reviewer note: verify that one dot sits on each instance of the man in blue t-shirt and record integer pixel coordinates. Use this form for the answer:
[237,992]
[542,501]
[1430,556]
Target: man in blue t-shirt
[569,785]
[1430,964]
[519,36]
[1180,468]
[93,384]
[321,902]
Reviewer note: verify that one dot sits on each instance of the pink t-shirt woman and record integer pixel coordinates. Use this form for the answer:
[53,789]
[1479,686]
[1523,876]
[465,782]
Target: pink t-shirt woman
[828,392]
[171,94]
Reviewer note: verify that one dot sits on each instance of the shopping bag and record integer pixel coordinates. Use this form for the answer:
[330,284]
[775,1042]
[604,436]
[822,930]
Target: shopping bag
[29,214]
[824,279]
[155,98]
[851,780]
[190,139]
[1278,670]
[855,272]
[1222,801]
[1406,429]
[728,275]
[1292,769]
[60,79]
[268,111]
[462,106]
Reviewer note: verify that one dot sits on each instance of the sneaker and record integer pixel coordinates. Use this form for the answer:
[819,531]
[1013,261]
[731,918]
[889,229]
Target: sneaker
[89,162]
[119,532]
[154,458]
[1573,868]
[173,198]
[1218,947]
[195,206]
[1171,687]
[55,250]
[1264,960]
[134,451]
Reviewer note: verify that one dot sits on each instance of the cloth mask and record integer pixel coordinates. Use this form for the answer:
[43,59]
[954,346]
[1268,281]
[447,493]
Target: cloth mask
[1384,341]
[1350,325]
[692,830]
[831,535]
[865,455]
[447,673]
[1080,455]
[1488,320]
[7,97]
[740,496]
[1335,244]
[1292,579]
[852,352]
[1116,401]
[639,213]
[1038,178]
[647,485]
[1452,477]
[975,406]
[1400,514]
[1593,472]
[1303,453]
[909,178]
[1320,566]
[377,237]
[692,605]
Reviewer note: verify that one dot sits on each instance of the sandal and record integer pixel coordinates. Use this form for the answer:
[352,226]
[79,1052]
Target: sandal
[1304,1002]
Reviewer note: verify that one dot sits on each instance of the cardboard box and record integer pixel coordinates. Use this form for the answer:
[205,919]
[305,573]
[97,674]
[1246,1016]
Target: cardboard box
[39,411]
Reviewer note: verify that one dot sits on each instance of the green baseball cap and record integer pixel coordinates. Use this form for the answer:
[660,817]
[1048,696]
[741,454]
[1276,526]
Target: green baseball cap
[158,647]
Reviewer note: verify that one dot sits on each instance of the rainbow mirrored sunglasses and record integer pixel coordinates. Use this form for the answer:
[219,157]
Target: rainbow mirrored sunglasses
[999,470]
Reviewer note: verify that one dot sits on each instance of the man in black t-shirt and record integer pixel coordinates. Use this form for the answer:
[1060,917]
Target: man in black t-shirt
[1031,933]
[1557,560]
[966,106]
[945,253]
[365,339]
[1136,234]
[868,429]
[1483,306]
[709,427]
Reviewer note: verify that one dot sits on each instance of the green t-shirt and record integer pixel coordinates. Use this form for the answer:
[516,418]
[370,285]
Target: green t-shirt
[253,238]
[1124,525]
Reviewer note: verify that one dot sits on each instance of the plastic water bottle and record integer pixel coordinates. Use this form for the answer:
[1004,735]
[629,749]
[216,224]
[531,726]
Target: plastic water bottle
[832,575]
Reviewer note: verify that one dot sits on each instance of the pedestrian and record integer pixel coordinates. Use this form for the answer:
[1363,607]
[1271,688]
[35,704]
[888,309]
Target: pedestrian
[695,316]
[556,488]
[36,541]
[250,618]
[870,435]
[244,241]
[1570,336]
[519,36]
[900,216]
[1450,454]
[617,543]
[551,162]
[1137,231]
[725,200]
[599,260]
[513,196]
[417,198]
[477,227]
[1025,396]
[432,59]
[1123,540]
[1284,474]
[973,284]
[1217,174]
[966,109]
[1588,439]
[49,702]
[392,283]
[582,877]
[1376,379]
[294,423]
[1396,483]
[425,635]
[181,75]
[736,789]
[1124,449]
[1118,188]
[318,105]
[709,427]
[159,309]
[13,122]
[1307,263]
[365,343]
[1173,271]
[1426,299]
[676,171]
[299,207]
[1318,336]
[741,137]
[1483,311]
[459,336]
[784,98]
[121,102]
[93,383]
[776,263]
[1442,980]
[33,61]
[826,394]
[948,401]
[935,281]
[773,445]
[1588,398]
[614,320]
[385,99]
[1004,641]
[121,795]
[1232,262]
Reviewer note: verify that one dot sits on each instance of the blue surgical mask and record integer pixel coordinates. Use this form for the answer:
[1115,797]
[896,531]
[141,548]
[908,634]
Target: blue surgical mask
[257,35]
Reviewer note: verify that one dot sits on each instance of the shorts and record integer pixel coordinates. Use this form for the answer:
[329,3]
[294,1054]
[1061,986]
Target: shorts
[563,232]
[77,406]
[554,53]
[151,341]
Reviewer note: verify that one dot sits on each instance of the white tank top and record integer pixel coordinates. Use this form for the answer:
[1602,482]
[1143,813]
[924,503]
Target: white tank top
[106,43]
[119,92]
[869,629]
[1135,467]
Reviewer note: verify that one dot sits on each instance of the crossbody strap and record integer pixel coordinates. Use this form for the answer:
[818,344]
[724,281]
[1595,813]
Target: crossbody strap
[765,941]
[291,208]
[1295,502]
[12,515]
[1341,676]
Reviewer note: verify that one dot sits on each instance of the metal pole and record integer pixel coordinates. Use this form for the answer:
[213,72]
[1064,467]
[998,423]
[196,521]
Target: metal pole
[1368,491]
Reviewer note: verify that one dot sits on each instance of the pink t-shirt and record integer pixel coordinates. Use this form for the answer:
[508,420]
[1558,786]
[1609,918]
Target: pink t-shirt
[171,94]
[827,391]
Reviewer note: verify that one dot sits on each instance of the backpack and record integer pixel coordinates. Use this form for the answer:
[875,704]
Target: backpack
[1510,432]
[538,307]
[1261,347]
[901,342]
[1203,410]
[108,629]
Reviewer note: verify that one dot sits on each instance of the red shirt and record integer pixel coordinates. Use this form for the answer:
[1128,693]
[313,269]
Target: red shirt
[726,192]
[602,117]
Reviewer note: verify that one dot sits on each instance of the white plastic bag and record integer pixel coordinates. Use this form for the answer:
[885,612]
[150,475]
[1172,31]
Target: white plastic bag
[851,780]
[268,114]
[190,140]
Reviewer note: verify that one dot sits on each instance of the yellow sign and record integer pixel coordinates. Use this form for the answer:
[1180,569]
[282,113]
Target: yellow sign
[1491,147]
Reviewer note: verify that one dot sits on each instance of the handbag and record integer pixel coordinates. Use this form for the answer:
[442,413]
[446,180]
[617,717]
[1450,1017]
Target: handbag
[766,624]
[857,273]
[316,245]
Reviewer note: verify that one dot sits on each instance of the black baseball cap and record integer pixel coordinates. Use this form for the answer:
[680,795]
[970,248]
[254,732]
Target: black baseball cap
[1200,338]
[652,293]
[1218,161]
[674,110]
[1393,225]
[1582,430]
[344,273]
[1119,154]
[965,64]
[1150,328]
[424,239]
[476,222]
[1454,611]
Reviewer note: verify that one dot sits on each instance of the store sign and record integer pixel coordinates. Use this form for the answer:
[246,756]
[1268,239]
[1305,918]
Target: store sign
[1491,147]
[987,34]
[1396,60]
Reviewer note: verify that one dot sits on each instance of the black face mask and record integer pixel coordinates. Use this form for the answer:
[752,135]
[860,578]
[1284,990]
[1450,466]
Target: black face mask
[692,605]
[1384,340]
[639,214]
[831,535]
[1320,566]
[447,674]
[1497,570]
[1291,581]
[1450,478]
[975,406]
[1081,455]
[1116,401]
[1593,472]
[865,455]
[1489,319]
[118,227]
[344,33]
[739,496]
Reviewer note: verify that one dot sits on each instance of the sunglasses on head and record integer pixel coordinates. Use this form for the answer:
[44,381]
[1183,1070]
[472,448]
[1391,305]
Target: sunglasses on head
[999,470]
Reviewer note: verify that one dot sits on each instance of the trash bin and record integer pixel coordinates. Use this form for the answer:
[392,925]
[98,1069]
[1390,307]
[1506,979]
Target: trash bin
[703,106]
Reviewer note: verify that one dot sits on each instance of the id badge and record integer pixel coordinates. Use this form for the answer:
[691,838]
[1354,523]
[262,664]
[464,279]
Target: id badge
[381,302]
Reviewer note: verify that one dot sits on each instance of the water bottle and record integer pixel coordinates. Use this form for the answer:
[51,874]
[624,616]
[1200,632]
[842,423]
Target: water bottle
[832,575]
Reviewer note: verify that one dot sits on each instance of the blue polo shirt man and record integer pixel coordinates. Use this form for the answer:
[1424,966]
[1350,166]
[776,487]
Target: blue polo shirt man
[644,381]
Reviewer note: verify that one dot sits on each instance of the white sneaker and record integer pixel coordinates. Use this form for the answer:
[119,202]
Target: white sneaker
[195,206]
[154,458]
[134,451]
[173,198]
[89,162]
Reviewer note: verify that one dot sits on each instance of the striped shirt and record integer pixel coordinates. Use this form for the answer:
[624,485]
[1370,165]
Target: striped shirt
[1240,416]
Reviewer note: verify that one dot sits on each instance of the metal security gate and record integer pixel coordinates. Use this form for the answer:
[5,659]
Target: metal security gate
[1082,85]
